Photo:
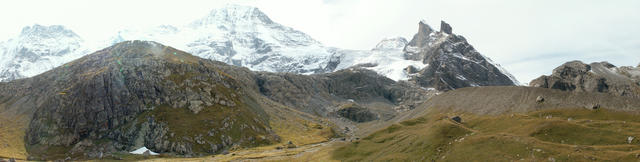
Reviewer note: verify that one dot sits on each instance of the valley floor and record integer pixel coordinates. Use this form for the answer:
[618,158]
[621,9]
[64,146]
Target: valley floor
[311,152]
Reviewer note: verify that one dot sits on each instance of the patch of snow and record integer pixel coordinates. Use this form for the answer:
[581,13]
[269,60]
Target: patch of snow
[412,49]
[460,77]
[141,151]
[389,63]
[391,43]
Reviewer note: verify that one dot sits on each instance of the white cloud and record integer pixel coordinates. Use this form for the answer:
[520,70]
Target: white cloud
[528,37]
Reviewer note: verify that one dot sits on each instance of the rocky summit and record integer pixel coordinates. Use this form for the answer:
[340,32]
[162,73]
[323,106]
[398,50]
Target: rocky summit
[600,77]
[451,61]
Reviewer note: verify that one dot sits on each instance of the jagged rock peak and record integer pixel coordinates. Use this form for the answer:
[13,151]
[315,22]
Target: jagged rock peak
[446,28]
[424,28]
[422,37]
[452,62]
[233,13]
[391,43]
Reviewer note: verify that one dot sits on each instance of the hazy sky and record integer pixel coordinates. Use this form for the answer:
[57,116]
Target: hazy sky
[527,37]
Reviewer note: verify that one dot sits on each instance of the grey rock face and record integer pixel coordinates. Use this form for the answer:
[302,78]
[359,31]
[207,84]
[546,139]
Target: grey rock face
[595,77]
[453,62]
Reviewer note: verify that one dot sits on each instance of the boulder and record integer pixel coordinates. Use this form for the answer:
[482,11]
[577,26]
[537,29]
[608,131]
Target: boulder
[457,119]
[291,145]
[539,99]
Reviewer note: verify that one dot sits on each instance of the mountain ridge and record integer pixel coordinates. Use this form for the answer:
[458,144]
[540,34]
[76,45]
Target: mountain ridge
[245,36]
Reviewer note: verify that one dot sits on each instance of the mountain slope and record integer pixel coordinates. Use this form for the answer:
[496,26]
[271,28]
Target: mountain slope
[140,94]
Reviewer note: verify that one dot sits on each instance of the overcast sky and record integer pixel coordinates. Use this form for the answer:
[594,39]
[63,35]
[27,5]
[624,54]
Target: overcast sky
[527,37]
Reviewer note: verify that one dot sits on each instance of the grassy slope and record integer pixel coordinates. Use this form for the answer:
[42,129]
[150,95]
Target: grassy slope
[12,133]
[539,135]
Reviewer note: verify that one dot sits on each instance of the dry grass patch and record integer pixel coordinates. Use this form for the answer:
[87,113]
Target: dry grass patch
[12,133]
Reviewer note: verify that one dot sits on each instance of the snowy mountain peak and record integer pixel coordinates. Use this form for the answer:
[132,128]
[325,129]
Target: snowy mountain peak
[39,40]
[38,48]
[393,43]
[234,15]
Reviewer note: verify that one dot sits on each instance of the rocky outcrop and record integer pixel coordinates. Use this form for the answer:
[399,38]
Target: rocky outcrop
[595,77]
[356,113]
[452,61]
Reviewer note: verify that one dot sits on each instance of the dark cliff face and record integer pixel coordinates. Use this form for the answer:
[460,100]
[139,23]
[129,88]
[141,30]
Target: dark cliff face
[595,77]
[452,62]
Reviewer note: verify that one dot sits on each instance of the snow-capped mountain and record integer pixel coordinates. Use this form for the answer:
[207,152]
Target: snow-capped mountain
[242,36]
[245,36]
[37,49]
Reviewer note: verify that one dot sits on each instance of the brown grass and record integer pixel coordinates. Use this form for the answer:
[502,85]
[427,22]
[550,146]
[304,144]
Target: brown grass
[12,133]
